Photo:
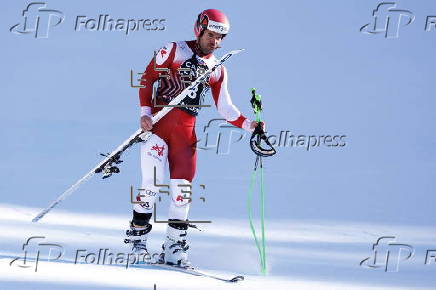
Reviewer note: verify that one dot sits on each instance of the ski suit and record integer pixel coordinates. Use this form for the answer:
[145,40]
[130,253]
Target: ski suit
[173,140]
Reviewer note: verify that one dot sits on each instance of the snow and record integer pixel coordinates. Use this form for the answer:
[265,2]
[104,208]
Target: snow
[301,254]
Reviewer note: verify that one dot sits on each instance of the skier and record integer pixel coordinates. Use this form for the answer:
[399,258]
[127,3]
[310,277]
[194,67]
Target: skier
[173,139]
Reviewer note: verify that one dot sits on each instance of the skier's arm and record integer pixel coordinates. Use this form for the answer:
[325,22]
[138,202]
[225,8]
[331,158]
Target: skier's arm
[162,60]
[225,106]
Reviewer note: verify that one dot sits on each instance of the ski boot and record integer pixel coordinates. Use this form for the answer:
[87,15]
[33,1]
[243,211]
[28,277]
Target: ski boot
[137,235]
[175,246]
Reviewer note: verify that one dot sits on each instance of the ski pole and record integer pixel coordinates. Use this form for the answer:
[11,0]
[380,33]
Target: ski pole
[255,143]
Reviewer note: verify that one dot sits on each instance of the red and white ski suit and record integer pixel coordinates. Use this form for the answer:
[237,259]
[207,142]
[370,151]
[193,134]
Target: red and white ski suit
[173,140]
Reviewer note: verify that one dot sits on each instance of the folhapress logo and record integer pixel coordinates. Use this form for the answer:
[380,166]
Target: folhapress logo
[388,20]
[388,254]
[36,252]
[38,20]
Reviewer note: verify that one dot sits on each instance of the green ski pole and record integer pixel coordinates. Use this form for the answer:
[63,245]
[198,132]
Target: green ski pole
[256,138]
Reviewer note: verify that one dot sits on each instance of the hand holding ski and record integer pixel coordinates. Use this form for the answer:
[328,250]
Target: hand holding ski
[106,166]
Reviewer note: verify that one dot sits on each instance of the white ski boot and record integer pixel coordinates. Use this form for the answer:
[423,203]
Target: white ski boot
[175,246]
[137,235]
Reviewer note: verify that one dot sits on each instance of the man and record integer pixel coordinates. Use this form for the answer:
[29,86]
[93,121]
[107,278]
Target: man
[173,139]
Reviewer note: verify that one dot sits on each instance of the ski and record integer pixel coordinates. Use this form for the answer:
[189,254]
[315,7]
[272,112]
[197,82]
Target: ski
[137,265]
[195,272]
[107,165]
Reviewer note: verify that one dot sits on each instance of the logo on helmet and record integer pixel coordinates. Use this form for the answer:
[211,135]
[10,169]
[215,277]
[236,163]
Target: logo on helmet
[218,27]
[205,21]
[202,22]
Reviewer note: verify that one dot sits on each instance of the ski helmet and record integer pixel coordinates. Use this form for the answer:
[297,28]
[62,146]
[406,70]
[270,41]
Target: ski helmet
[211,19]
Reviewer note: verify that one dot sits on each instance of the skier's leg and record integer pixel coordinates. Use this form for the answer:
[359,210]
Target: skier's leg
[182,160]
[154,154]
[182,164]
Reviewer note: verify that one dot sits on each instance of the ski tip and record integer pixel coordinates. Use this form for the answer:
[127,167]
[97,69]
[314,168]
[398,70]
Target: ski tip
[237,279]
[237,51]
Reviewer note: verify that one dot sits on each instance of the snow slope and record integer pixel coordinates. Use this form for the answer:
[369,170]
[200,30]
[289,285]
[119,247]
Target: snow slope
[301,254]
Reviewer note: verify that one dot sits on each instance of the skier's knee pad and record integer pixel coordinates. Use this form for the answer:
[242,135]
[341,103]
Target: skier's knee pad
[180,199]
[180,192]
[145,200]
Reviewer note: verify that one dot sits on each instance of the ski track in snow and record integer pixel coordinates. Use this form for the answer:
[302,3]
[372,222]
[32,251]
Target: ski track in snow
[300,254]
